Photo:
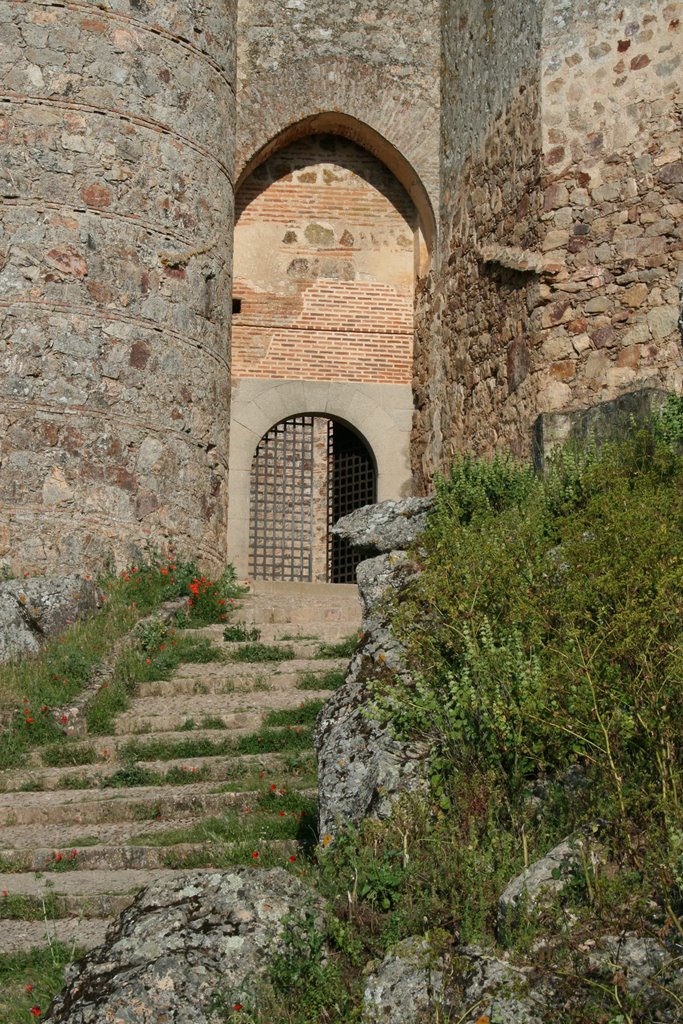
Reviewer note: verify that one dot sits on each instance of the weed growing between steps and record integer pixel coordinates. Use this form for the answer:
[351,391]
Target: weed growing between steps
[17,907]
[32,686]
[305,714]
[157,654]
[207,722]
[266,741]
[251,825]
[330,680]
[29,980]
[344,649]
[239,632]
[262,652]
[64,755]
[133,774]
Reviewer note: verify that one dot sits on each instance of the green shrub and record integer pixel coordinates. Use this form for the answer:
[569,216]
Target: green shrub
[545,631]
[210,600]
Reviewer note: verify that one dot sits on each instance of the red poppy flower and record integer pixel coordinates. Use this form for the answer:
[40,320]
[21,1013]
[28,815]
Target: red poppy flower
[35,1010]
[292,859]
[254,855]
[237,1006]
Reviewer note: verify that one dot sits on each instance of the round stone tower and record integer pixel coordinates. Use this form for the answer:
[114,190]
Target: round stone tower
[116,199]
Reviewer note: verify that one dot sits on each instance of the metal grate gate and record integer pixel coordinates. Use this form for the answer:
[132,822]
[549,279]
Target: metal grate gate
[351,486]
[291,513]
[281,521]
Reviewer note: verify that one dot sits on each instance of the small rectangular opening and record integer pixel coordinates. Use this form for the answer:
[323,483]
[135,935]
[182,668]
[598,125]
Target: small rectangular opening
[236,306]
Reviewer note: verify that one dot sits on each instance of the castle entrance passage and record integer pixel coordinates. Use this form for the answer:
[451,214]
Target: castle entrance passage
[307,472]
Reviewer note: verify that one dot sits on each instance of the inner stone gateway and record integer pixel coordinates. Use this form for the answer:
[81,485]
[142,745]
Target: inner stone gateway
[328,245]
[307,472]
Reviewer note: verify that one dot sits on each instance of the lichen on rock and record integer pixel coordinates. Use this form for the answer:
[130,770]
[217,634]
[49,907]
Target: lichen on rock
[180,944]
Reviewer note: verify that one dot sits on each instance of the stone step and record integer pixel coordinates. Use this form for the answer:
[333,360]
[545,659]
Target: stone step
[132,858]
[239,711]
[20,838]
[282,633]
[141,722]
[80,886]
[48,906]
[218,768]
[67,836]
[77,933]
[113,745]
[217,684]
[246,671]
[93,807]
[302,648]
[302,604]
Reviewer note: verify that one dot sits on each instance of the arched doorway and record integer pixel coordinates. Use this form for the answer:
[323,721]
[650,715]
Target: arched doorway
[332,231]
[306,473]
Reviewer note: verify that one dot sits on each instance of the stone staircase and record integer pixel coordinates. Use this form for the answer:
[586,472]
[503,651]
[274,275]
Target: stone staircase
[78,842]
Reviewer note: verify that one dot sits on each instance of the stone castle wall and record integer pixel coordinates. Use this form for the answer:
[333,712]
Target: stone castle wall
[377,61]
[545,136]
[116,193]
[472,315]
[613,201]
[557,284]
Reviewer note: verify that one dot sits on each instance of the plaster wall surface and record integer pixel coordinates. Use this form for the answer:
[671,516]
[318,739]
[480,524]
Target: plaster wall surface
[116,196]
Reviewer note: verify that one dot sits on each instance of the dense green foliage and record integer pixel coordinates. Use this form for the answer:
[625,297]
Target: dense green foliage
[545,633]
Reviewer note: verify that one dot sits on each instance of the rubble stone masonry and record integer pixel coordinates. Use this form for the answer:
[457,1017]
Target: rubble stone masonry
[116,197]
[375,61]
[557,283]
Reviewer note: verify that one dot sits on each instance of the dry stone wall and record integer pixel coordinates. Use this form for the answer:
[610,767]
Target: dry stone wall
[557,283]
[116,142]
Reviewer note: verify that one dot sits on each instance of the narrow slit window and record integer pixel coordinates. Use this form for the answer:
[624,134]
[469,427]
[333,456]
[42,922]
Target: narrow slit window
[236,306]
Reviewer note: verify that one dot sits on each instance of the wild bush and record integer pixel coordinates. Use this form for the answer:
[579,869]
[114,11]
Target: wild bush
[545,632]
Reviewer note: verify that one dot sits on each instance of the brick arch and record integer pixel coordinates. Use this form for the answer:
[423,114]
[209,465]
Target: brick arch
[334,122]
